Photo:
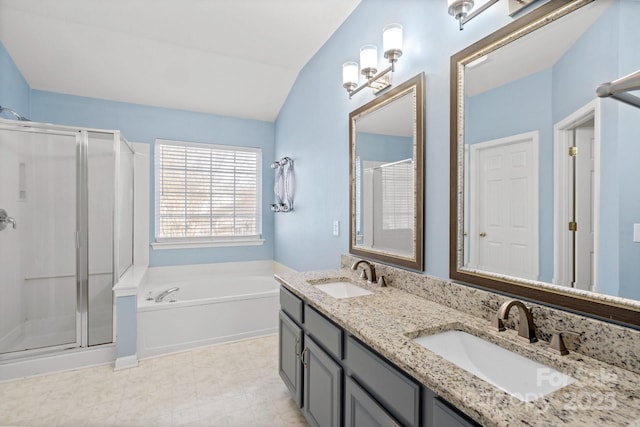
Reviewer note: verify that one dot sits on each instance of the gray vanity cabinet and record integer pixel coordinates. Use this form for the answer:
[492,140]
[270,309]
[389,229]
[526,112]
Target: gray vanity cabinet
[361,410]
[438,413]
[289,363]
[322,395]
[338,380]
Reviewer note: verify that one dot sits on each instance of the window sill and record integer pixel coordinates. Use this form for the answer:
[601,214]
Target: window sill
[206,244]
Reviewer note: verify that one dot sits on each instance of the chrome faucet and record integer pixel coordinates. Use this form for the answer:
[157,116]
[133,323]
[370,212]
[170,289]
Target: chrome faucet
[161,295]
[5,220]
[526,329]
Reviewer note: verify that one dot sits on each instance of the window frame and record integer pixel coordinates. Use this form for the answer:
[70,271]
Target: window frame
[206,241]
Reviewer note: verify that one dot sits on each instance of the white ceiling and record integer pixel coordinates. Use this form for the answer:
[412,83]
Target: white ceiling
[235,58]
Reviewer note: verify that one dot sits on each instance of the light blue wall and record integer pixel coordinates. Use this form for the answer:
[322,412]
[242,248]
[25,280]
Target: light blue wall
[140,123]
[522,106]
[127,327]
[629,159]
[312,127]
[14,90]
[383,148]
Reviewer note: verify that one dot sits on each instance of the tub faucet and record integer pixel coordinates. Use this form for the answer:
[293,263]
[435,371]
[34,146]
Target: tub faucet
[371,277]
[161,295]
[526,329]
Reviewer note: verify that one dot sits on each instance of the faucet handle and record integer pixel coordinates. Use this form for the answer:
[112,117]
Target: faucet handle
[381,281]
[557,343]
[497,323]
[363,274]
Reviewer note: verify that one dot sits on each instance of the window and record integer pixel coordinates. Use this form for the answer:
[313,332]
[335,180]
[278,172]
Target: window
[207,194]
[397,195]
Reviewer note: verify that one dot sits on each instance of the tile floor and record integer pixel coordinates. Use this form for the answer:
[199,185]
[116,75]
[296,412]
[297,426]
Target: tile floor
[234,384]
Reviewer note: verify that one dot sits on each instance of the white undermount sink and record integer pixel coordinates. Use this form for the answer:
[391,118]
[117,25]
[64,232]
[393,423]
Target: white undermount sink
[515,374]
[342,289]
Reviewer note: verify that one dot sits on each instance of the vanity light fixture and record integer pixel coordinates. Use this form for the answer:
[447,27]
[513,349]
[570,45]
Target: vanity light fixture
[460,9]
[392,45]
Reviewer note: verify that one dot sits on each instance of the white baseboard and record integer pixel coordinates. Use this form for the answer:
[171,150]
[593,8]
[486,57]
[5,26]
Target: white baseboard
[126,362]
[68,360]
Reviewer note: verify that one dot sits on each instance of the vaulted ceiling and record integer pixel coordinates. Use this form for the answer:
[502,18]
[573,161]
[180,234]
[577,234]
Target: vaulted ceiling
[235,58]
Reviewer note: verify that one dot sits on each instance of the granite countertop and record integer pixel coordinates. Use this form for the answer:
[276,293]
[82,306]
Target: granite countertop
[390,318]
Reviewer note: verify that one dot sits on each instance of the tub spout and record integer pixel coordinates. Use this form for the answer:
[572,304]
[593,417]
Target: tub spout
[161,295]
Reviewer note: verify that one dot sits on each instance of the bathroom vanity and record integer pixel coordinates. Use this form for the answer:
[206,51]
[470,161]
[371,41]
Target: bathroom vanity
[330,373]
[355,361]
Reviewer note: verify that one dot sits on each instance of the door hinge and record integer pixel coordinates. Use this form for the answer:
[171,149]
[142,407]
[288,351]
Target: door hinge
[77,240]
[573,226]
[573,151]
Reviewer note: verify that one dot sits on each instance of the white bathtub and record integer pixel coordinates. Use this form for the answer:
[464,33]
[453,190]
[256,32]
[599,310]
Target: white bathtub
[209,309]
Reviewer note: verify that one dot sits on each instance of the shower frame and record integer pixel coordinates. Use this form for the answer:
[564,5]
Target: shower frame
[82,136]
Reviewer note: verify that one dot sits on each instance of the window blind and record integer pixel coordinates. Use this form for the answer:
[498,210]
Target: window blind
[397,195]
[206,192]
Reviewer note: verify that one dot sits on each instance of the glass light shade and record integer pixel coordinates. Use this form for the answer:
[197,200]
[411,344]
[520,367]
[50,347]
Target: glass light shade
[369,57]
[350,73]
[392,37]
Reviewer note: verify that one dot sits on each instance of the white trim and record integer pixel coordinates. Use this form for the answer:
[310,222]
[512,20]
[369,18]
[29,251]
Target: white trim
[561,210]
[69,360]
[130,281]
[141,203]
[126,362]
[474,176]
[206,244]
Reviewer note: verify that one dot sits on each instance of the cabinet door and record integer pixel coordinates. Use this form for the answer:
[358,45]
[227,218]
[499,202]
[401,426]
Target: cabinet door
[289,363]
[361,410]
[322,387]
[443,416]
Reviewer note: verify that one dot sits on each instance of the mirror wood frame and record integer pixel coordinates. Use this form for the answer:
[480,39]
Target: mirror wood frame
[414,85]
[594,305]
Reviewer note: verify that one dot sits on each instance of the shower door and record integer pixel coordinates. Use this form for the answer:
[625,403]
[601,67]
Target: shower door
[40,293]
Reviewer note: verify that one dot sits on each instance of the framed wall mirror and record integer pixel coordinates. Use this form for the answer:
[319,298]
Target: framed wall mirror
[386,146]
[544,193]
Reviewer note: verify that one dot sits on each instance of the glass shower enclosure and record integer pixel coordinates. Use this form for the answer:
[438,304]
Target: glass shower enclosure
[66,235]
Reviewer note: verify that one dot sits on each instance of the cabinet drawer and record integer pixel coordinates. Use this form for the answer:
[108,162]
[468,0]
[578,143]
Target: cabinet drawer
[328,335]
[292,305]
[397,393]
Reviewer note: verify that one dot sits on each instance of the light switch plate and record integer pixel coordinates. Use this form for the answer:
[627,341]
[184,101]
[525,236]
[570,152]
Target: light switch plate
[636,233]
[336,228]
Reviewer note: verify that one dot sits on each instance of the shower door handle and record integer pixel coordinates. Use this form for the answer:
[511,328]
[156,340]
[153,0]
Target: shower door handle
[6,219]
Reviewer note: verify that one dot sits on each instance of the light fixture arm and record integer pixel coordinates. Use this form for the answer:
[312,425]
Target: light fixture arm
[477,12]
[376,79]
